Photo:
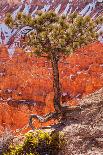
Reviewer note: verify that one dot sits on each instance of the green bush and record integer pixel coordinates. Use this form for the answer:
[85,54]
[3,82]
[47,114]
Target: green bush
[39,143]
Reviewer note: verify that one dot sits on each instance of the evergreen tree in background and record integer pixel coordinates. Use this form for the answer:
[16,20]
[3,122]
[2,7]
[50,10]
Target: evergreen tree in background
[53,36]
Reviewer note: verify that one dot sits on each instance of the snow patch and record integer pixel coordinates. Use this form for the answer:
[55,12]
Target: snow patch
[6,31]
[100,37]
[16,12]
[26,9]
[64,94]
[66,9]
[33,13]
[45,8]
[58,8]
[11,51]
[88,9]
[70,11]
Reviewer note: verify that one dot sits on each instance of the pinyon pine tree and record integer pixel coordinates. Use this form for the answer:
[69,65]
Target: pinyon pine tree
[53,36]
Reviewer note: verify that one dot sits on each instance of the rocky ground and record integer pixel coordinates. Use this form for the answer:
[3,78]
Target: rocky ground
[84,136]
[83,128]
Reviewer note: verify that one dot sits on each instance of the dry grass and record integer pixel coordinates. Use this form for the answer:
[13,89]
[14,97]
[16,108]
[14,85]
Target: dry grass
[6,139]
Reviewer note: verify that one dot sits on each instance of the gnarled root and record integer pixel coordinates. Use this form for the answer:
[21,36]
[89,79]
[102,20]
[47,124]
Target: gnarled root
[43,119]
[60,116]
[88,108]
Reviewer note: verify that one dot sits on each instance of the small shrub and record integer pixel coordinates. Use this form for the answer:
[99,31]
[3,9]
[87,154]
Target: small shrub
[39,143]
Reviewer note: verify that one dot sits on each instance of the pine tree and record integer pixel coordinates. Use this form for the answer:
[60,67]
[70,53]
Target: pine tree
[53,36]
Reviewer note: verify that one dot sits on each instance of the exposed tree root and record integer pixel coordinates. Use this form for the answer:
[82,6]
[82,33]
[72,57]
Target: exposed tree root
[90,104]
[55,115]
[42,119]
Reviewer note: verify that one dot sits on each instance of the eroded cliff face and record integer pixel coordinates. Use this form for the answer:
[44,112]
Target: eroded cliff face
[57,5]
[26,82]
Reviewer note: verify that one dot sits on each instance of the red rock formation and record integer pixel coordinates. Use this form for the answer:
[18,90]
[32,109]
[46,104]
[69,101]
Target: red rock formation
[3,53]
[16,117]
[24,77]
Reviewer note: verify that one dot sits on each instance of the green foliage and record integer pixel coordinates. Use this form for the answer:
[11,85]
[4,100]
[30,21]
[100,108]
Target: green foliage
[54,33]
[9,20]
[99,20]
[53,36]
[39,143]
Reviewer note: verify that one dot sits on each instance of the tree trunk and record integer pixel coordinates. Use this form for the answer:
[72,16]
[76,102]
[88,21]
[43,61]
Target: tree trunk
[56,83]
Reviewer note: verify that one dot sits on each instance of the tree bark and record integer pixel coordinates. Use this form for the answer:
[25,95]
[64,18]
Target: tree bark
[56,82]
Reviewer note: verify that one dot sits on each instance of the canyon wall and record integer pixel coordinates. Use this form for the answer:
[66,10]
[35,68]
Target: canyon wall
[26,82]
